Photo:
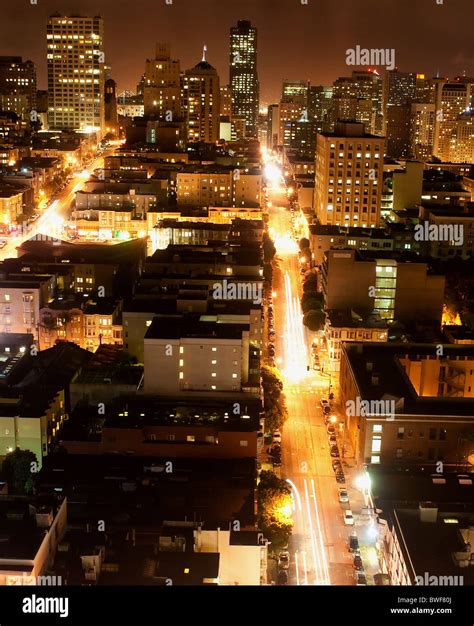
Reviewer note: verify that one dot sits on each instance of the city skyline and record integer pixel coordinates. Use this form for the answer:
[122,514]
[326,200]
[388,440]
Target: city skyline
[236,310]
[189,26]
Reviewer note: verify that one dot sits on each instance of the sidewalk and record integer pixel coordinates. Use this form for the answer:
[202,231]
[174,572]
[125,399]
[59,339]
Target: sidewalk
[364,522]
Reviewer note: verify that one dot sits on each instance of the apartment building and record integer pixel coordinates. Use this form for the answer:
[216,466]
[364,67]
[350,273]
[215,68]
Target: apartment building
[349,171]
[395,286]
[102,324]
[219,186]
[419,402]
[347,326]
[21,298]
[76,93]
[188,354]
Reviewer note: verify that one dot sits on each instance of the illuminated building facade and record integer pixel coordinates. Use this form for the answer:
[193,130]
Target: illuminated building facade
[243,74]
[76,72]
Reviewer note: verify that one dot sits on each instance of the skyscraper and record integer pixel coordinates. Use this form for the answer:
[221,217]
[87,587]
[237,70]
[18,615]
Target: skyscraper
[76,72]
[422,125]
[17,86]
[359,97]
[201,96]
[243,74]
[295,91]
[399,93]
[462,139]
[225,101]
[319,106]
[162,86]
[289,112]
[452,100]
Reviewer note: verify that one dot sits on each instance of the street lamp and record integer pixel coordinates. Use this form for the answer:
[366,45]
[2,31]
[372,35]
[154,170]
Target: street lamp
[363,483]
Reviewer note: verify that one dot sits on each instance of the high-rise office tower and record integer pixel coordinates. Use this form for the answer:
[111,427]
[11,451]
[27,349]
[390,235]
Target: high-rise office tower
[17,86]
[295,91]
[422,127]
[290,112]
[399,93]
[319,106]
[452,100]
[349,174]
[400,87]
[360,98]
[243,74]
[303,134]
[425,91]
[462,139]
[369,86]
[201,96]
[273,126]
[162,86]
[76,72]
[225,101]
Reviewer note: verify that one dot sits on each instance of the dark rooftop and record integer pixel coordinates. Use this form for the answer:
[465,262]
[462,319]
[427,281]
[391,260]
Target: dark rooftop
[393,380]
[190,326]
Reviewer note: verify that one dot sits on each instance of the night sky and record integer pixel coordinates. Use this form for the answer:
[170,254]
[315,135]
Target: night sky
[295,41]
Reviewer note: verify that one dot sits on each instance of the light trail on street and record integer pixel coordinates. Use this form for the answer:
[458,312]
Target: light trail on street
[318,546]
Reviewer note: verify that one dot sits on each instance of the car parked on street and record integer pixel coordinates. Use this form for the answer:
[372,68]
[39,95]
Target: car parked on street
[340,478]
[358,566]
[361,580]
[282,578]
[348,518]
[353,543]
[331,429]
[343,495]
[332,440]
[337,465]
[334,451]
[276,437]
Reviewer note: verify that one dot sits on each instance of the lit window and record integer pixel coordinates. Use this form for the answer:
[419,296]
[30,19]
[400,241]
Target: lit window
[213,362]
[148,323]
[376,443]
[377,428]
[234,375]
[213,374]
[181,362]
[181,376]
[181,350]
[190,438]
[214,349]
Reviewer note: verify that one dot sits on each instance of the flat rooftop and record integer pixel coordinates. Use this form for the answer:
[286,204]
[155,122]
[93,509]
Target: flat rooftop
[20,535]
[392,379]
[347,318]
[191,326]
